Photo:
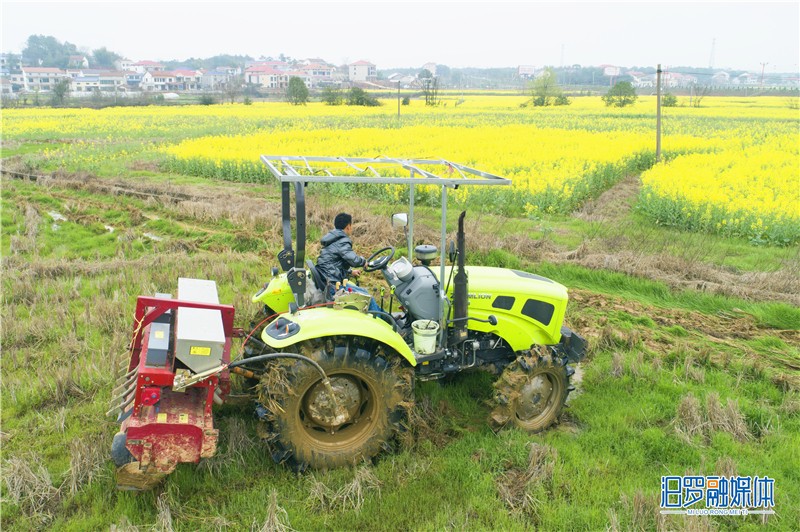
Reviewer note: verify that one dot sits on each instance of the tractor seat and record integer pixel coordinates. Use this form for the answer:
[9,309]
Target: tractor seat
[318,282]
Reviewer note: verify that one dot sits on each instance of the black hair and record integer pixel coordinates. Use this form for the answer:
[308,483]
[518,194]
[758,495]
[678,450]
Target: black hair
[342,220]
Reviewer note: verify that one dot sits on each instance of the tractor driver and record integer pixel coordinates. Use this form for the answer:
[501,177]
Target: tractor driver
[337,257]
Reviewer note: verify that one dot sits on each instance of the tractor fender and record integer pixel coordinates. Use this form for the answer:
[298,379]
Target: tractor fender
[324,321]
[277,294]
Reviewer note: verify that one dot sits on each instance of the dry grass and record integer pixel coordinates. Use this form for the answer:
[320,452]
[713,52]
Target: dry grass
[726,467]
[525,490]
[163,513]
[30,487]
[237,444]
[617,368]
[87,457]
[277,519]
[726,419]
[428,423]
[690,419]
[351,496]
[692,371]
[644,512]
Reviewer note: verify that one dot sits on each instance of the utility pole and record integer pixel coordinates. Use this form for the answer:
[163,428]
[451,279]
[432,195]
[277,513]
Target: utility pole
[658,113]
[761,83]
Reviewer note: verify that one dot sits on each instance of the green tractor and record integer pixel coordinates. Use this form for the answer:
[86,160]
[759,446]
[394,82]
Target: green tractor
[334,380]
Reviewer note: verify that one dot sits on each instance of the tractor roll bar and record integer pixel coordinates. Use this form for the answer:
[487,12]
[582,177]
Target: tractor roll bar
[302,170]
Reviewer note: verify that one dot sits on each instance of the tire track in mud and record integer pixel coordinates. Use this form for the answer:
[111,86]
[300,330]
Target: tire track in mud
[593,316]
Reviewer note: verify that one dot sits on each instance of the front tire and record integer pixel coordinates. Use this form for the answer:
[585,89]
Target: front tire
[532,391]
[306,428]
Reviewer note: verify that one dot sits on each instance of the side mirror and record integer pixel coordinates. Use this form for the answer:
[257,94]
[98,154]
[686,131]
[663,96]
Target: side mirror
[451,252]
[400,219]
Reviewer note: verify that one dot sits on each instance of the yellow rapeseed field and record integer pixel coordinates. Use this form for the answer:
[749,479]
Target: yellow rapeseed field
[732,164]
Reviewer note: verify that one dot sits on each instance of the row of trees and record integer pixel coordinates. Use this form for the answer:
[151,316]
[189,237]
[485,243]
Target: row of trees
[297,94]
[545,91]
[46,50]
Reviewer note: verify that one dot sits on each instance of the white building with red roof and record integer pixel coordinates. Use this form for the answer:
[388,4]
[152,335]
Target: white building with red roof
[189,80]
[160,80]
[319,72]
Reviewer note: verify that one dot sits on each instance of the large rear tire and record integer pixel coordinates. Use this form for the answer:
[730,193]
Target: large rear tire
[305,428]
[532,391]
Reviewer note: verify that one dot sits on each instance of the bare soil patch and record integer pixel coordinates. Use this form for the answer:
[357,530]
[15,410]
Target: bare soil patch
[614,203]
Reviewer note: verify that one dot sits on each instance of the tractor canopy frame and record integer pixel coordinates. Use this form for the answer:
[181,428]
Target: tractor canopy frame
[301,170]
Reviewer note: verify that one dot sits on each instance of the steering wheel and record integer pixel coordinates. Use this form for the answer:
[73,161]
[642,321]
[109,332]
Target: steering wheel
[379,259]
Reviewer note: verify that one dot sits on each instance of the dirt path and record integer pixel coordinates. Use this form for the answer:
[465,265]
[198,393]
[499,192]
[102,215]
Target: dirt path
[613,204]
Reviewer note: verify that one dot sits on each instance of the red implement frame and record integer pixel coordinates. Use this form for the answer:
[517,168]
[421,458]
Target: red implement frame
[166,427]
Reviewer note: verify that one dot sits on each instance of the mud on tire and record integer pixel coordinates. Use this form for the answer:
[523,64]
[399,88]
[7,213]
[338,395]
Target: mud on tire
[531,392]
[304,428]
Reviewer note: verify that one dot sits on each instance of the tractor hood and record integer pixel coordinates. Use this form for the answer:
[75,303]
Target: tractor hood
[529,308]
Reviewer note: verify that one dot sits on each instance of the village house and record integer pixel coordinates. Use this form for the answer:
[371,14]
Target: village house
[81,84]
[362,71]
[318,72]
[36,79]
[133,79]
[266,77]
[5,87]
[159,81]
[215,80]
[188,80]
[111,81]
[746,79]
[123,65]
[147,66]
[640,80]
[721,78]
[77,61]
[275,65]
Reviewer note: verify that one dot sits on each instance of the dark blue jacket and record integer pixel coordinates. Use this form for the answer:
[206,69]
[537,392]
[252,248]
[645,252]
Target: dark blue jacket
[337,257]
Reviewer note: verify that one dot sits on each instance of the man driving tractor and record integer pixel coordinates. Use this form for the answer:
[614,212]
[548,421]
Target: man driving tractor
[337,257]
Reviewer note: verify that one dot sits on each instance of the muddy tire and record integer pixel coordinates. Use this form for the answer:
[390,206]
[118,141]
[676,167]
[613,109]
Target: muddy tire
[305,429]
[531,392]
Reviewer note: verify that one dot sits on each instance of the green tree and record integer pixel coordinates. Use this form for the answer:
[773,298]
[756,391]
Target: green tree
[620,95]
[430,86]
[562,99]
[234,87]
[357,96]
[45,50]
[103,57]
[297,92]
[545,90]
[332,95]
[60,91]
[669,100]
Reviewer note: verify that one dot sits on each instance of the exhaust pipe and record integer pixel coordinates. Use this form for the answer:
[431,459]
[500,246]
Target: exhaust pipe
[460,287]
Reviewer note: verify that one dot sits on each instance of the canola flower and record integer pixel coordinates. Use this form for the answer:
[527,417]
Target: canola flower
[557,157]
[752,192]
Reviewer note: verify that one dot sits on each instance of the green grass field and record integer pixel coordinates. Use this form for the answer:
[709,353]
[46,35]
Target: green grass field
[693,368]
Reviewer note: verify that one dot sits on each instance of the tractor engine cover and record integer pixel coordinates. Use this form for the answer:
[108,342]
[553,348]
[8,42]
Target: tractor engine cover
[419,294]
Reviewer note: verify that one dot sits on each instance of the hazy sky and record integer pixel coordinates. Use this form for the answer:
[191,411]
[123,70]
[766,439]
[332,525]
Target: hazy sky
[743,35]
